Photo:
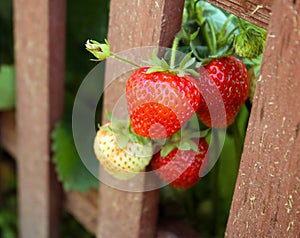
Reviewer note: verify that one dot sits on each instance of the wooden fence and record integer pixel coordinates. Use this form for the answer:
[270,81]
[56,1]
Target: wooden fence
[266,200]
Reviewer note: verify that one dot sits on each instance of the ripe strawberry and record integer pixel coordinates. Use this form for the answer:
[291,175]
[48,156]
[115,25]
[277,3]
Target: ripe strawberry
[224,88]
[159,103]
[122,163]
[180,168]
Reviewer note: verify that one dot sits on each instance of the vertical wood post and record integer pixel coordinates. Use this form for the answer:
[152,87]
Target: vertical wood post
[134,23]
[266,201]
[39,50]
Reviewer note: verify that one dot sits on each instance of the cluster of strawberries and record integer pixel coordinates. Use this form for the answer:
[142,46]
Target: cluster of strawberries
[162,101]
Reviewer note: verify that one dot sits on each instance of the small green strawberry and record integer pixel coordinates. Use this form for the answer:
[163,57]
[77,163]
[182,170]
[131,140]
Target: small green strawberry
[250,42]
[122,155]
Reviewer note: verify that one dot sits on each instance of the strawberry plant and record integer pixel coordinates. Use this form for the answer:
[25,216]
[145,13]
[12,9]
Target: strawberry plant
[210,84]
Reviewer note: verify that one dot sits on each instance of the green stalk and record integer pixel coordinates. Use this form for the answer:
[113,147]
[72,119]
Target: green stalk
[213,37]
[224,27]
[125,60]
[173,53]
[229,35]
[241,24]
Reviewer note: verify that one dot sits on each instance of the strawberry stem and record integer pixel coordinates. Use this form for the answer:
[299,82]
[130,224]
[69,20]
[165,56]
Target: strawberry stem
[213,36]
[174,48]
[125,60]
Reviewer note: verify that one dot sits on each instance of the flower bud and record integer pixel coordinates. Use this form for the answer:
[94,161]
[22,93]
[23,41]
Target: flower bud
[100,51]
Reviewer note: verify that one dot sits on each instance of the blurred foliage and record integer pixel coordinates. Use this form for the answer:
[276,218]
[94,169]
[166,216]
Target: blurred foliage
[6,32]
[7,82]
[71,228]
[8,199]
[83,22]
[7,87]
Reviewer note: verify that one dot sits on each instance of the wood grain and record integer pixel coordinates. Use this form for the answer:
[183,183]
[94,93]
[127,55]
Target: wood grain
[255,11]
[134,24]
[39,30]
[266,200]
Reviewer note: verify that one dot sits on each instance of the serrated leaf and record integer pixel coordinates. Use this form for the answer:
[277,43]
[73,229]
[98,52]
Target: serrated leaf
[7,87]
[71,171]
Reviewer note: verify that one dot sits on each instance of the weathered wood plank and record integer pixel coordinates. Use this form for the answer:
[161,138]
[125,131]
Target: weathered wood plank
[84,208]
[39,48]
[133,24]
[255,11]
[266,201]
[7,132]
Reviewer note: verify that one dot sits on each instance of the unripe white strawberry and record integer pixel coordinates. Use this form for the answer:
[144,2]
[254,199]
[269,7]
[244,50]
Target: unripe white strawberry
[123,163]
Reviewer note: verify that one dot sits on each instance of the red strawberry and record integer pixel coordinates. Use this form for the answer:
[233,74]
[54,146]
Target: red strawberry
[159,103]
[180,168]
[224,88]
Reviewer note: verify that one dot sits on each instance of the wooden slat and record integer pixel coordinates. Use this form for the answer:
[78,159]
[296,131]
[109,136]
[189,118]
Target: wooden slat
[7,132]
[39,46]
[254,11]
[134,23]
[266,201]
[84,208]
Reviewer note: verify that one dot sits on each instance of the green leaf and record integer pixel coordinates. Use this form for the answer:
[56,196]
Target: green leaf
[71,171]
[7,87]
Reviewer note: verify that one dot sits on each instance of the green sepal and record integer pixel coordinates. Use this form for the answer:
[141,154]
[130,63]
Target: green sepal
[166,149]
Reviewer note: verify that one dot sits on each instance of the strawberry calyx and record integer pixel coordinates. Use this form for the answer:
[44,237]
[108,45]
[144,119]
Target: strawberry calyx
[185,67]
[185,139]
[124,132]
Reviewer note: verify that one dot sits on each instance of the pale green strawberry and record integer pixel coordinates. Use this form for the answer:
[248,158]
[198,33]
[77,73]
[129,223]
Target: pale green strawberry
[123,163]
